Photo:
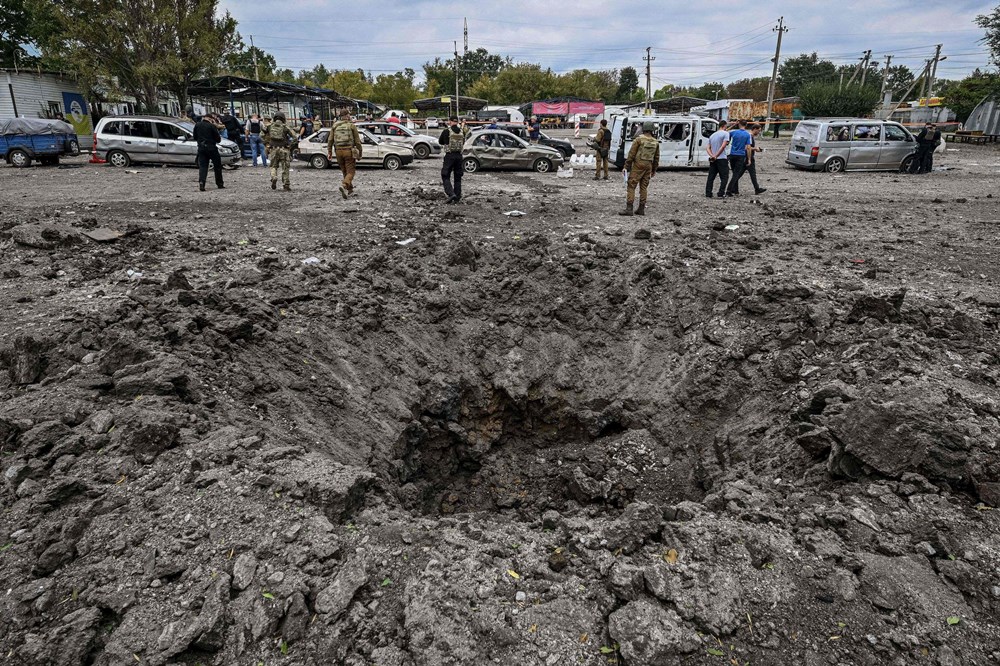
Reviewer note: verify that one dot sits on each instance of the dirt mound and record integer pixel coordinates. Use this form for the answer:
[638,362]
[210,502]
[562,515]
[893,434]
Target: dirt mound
[588,449]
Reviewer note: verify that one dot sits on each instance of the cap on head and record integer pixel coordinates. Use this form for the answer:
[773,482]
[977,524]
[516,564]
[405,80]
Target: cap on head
[648,126]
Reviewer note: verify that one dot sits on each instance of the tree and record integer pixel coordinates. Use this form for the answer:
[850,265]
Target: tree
[587,84]
[708,90]
[964,96]
[440,75]
[350,83]
[991,24]
[755,89]
[395,90]
[827,98]
[804,69]
[241,63]
[524,82]
[898,79]
[628,84]
[24,23]
[156,44]
[661,93]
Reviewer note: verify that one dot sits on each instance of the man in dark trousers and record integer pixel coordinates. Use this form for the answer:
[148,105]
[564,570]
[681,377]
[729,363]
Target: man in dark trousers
[208,138]
[234,129]
[927,142]
[453,139]
[718,164]
[752,151]
[739,144]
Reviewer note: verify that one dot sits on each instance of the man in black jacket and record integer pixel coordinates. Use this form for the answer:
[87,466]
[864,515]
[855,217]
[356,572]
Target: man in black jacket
[927,141]
[208,138]
[234,129]
[453,139]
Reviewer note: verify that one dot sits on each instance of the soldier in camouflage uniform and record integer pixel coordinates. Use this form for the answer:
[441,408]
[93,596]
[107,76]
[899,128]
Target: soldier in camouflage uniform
[641,164]
[345,143]
[280,139]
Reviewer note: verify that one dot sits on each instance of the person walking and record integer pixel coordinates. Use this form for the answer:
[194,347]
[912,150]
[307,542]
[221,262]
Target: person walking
[641,164]
[279,139]
[345,144]
[718,164]
[752,152]
[254,128]
[453,139]
[927,142]
[603,145]
[534,130]
[208,139]
[233,130]
[739,141]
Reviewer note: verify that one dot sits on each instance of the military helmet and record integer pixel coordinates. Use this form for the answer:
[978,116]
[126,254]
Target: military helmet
[279,116]
[648,126]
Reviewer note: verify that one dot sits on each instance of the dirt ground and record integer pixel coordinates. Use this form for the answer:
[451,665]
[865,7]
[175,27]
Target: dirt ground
[283,428]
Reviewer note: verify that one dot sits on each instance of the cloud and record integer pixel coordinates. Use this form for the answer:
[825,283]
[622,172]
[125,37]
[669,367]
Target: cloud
[691,43]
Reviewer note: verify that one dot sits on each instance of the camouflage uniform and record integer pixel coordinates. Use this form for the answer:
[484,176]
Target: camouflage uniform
[279,139]
[603,143]
[641,164]
[345,143]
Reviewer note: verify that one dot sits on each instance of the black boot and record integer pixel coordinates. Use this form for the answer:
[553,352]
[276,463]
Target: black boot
[274,184]
[641,210]
[288,188]
[201,186]
[628,212]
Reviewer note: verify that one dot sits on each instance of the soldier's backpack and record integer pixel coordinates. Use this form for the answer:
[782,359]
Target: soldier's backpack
[456,141]
[277,135]
[647,149]
[343,137]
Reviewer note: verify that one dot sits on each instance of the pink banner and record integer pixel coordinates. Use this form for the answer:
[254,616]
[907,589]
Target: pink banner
[547,109]
[590,108]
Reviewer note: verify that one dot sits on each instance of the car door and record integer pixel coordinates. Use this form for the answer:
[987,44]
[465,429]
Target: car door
[139,141]
[675,144]
[866,145]
[372,152]
[174,145]
[703,129]
[897,143]
[517,153]
[487,147]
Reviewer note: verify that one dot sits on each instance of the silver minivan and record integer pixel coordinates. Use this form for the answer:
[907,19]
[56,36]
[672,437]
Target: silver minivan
[851,144]
[124,140]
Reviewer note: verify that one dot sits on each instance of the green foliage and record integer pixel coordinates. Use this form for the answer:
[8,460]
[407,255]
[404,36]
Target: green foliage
[473,66]
[991,24]
[350,83]
[963,97]
[142,46]
[24,23]
[628,84]
[795,73]
[708,90]
[821,99]
[755,89]
[241,62]
[395,90]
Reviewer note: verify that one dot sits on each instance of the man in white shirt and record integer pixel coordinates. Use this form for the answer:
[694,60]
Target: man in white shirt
[718,164]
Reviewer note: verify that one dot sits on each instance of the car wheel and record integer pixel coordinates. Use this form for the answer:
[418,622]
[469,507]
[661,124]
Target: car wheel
[542,165]
[392,163]
[470,165]
[836,165]
[119,159]
[74,148]
[319,162]
[422,150]
[907,163]
[19,159]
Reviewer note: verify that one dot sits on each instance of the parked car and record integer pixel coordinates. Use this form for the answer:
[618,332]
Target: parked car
[388,155]
[563,146]
[851,144]
[423,145]
[432,123]
[683,139]
[23,140]
[498,149]
[125,140]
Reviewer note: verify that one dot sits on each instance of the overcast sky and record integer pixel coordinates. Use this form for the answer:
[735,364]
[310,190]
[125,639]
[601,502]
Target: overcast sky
[692,42]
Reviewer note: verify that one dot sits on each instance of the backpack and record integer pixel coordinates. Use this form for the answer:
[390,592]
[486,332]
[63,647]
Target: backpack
[647,149]
[343,137]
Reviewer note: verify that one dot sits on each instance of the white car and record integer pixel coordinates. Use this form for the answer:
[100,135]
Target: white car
[391,156]
[423,145]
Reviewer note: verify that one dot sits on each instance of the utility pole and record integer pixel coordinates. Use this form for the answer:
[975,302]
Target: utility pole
[921,78]
[864,66]
[781,29]
[253,50]
[933,76]
[456,79]
[649,76]
[861,65]
[885,85]
[466,52]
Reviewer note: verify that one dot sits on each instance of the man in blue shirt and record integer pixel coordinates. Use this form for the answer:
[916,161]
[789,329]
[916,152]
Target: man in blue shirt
[739,144]
[534,130]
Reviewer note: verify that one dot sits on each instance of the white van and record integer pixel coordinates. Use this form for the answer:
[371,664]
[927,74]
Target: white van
[683,139]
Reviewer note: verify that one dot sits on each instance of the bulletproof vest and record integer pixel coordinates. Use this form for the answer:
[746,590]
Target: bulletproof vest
[255,127]
[343,137]
[278,134]
[647,148]
[456,141]
[605,140]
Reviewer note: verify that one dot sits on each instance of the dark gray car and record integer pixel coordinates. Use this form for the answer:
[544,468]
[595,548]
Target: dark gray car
[496,149]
